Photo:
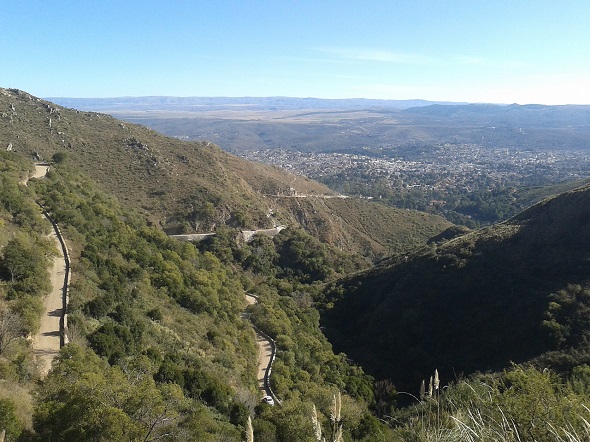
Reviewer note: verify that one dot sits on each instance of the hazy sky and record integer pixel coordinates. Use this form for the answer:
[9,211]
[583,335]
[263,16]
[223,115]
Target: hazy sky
[523,51]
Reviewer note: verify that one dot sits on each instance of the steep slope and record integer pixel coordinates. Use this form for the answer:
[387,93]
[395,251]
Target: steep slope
[161,175]
[166,317]
[180,186]
[472,303]
[360,226]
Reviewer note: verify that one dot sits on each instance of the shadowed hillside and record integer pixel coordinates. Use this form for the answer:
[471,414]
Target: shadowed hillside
[476,302]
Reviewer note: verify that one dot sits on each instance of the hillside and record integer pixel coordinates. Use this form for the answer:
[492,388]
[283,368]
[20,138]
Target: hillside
[158,348]
[510,292]
[158,345]
[179,186]
[355,224]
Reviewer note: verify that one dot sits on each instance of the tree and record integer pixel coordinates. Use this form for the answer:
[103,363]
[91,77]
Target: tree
[59,157]
[17,259]
[83,398]
[11,327]
[25,260]
[10,427]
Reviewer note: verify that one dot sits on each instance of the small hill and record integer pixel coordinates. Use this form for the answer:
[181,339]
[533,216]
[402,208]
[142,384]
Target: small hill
[183,186]
[506,293]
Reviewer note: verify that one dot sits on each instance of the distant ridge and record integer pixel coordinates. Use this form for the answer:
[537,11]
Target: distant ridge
[196,104]
[349,125]
[529,115]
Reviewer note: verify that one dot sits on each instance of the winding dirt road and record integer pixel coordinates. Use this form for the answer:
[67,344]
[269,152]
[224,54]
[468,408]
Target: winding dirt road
[47,342]
[264,355]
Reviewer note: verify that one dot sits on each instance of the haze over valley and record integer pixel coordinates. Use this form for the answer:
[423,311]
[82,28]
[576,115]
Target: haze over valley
[335,262]
[295,221]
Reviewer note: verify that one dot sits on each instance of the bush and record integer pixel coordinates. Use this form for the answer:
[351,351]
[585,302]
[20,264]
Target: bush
[8,420]
[59,157]
[113,341]
[155,314]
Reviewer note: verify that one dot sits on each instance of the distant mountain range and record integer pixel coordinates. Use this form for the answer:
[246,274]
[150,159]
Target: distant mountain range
[199,104]
[349,125]
[528,115]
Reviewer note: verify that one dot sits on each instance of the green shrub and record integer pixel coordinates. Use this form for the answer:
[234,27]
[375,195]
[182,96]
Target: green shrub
[9,421]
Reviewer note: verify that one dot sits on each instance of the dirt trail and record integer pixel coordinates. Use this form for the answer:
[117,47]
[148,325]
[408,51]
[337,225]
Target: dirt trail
[264,354]
[47,342]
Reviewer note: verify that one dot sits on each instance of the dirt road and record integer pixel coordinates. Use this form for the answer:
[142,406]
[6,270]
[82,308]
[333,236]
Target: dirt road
[47,342]
[264,355]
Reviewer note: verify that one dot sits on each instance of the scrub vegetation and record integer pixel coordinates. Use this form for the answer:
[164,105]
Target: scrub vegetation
[476,335]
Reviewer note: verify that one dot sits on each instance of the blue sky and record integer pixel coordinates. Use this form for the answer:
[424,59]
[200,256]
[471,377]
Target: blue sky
[519,51]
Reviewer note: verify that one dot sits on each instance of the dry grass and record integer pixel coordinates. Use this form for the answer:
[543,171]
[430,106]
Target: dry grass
[22,400]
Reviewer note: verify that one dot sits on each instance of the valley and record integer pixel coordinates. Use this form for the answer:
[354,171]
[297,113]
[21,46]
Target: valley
[358,297]
[473,164]
[445,179]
